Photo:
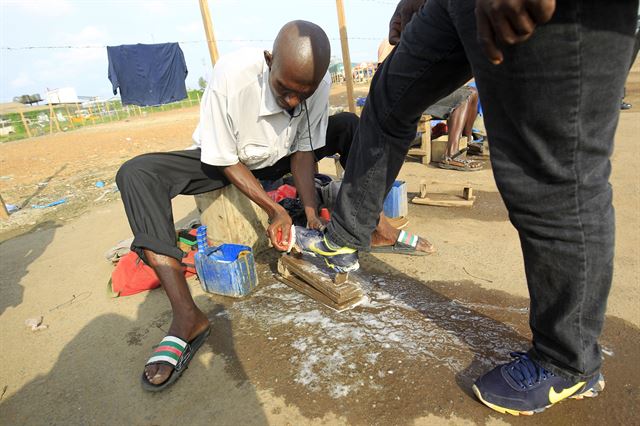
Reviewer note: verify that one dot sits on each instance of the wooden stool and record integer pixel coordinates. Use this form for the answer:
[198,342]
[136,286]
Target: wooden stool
[231,217]
[424,151]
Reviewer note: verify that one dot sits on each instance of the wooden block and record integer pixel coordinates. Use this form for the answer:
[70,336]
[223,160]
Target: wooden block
[424,127]
[423,189]
[445,200]
[439,147]
[467,193]
[309,277]
[231,217]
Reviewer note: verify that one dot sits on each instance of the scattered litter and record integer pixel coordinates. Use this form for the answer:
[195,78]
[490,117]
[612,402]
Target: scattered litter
[9,177]
[100,184]
[41,184]
[36,324]
[128,139]
[4,390]
[606,351]
[480,278]
[114,188]
[82,296]
[44,206]
[123,247]
[12,208]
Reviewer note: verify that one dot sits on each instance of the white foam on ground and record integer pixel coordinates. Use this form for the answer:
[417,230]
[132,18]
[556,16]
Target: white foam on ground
[399,320]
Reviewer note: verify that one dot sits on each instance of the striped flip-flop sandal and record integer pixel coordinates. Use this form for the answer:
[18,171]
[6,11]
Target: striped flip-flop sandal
[405,244]
[175,352]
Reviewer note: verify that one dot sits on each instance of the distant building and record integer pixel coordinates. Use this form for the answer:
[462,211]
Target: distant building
[337,72]
[65,95]
[364,71]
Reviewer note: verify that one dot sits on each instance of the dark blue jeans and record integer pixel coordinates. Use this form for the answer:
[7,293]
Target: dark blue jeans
[551,110]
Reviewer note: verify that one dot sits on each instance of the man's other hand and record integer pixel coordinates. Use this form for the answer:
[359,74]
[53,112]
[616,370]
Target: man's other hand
[401,17]
[316,222]
[279,229]
[507,22]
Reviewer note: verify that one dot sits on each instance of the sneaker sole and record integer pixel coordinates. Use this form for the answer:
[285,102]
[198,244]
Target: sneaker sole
[340,269]
[589,393]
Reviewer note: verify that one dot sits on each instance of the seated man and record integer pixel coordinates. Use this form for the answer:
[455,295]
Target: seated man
[460,109]
[262,115]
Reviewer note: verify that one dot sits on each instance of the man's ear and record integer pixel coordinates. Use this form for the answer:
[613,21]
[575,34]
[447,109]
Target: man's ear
[268,58]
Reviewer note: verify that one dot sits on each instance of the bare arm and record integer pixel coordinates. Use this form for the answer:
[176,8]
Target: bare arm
[240,176]
[302,168]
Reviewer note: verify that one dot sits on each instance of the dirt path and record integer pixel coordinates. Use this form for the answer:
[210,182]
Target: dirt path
[430,327]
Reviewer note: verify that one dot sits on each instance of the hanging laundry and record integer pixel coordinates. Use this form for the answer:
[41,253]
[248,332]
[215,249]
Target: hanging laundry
[148,74]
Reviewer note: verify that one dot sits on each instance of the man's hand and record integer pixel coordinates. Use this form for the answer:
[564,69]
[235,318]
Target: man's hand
[505,22]
[401,17]
[316,222]
[279,229]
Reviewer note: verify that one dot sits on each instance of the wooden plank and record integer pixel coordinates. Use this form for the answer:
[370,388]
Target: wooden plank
[307,290]
[443,203]
[319,278]
[445,200]
[419,152]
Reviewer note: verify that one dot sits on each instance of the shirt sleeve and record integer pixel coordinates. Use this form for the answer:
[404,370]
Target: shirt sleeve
[318,105]
[216,134]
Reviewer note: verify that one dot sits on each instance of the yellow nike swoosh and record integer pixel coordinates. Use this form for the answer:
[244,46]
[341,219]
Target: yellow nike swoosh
[342,250]
[559,396]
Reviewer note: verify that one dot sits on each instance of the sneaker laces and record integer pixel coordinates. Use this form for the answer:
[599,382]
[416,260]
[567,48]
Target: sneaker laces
[525,372]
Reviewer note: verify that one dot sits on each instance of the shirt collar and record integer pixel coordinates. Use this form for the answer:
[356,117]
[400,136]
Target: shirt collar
[268,104]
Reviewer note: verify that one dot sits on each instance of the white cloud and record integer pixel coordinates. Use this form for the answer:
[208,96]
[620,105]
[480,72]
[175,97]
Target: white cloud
[194,27]
[86,36]
[22,80]
[158,7]
[51,8]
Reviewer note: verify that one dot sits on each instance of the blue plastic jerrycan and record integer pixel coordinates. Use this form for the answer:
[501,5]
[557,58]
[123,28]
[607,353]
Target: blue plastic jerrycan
[228,269]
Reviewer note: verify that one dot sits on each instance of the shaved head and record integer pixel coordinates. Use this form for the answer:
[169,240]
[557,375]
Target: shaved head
[299,61]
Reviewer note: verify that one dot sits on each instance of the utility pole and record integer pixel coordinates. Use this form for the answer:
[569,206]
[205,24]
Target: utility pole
[346,59]
[208,29]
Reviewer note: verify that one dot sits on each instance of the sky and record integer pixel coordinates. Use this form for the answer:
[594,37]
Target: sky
[88,26]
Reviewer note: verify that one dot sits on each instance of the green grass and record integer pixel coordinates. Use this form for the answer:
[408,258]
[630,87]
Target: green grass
[97,115]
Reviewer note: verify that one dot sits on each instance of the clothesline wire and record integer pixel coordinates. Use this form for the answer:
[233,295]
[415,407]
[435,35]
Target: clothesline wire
[230,40]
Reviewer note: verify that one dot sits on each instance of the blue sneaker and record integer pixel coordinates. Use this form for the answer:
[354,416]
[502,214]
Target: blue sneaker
[314,242]
[523,387]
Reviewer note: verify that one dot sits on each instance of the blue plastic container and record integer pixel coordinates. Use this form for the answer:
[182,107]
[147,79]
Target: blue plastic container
[395,205]
[228,269]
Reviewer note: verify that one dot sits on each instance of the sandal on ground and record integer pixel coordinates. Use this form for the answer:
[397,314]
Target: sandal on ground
[460,162]
[175,352]
[405,244]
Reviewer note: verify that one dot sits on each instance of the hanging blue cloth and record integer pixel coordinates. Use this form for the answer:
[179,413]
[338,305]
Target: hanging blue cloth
[148,74]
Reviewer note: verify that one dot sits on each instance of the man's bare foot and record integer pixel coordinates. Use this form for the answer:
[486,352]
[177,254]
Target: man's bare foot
[186,327]
[391,236]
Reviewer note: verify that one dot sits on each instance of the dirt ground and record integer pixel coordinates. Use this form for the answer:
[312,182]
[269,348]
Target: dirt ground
[429,327]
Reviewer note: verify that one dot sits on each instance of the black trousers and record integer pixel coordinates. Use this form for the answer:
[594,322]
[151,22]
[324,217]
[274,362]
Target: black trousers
[551,111]
[149,182]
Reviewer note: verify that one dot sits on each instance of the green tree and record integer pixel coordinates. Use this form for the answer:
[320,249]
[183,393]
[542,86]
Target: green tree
[202,83]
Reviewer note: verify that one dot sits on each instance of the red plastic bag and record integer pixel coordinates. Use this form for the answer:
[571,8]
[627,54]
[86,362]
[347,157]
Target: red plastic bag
[284,191]
[132,276]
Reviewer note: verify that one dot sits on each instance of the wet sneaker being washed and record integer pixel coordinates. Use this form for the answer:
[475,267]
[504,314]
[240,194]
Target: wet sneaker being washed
[524,387]
[314,242]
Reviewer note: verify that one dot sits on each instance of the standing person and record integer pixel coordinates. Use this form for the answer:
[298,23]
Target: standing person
[549,76]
